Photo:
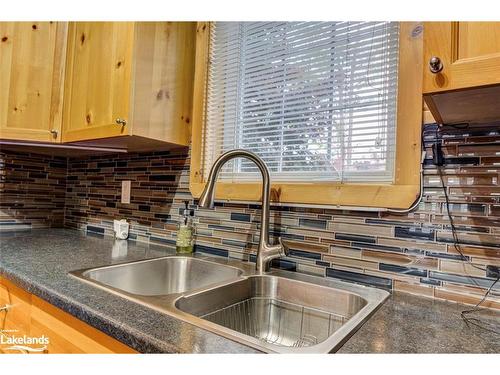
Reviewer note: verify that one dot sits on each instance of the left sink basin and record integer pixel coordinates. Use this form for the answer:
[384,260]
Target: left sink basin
[160,276]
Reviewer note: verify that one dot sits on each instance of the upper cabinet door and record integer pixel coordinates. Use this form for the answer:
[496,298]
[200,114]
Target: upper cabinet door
[468,55]
[31,70]
[98,85]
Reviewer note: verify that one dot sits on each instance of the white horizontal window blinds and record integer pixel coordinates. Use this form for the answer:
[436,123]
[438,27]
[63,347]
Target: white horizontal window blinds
[316,100]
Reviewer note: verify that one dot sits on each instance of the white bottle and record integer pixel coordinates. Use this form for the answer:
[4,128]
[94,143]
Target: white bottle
[121,228]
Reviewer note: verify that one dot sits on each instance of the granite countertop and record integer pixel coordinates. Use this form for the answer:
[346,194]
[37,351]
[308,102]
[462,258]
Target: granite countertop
[39,261]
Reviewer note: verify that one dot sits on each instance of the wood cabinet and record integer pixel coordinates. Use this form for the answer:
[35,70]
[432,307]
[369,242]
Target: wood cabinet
[129,80]
[97,85]
[469,53]
[111,84]
[22,313]
[463,86]
[15,312]
[68,334]
[31,72]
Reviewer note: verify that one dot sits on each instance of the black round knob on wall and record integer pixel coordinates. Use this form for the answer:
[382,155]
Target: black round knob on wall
[435,64]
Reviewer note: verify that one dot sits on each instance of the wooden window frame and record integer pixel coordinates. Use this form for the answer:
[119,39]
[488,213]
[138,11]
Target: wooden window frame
[400,195]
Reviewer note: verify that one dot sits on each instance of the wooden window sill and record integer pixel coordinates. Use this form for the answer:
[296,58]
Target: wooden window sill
[331,194]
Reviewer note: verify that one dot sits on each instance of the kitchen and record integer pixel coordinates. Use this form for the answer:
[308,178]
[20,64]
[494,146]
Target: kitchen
[249,187]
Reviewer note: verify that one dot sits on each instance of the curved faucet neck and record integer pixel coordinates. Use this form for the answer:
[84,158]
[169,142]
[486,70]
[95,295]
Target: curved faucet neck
[207,197]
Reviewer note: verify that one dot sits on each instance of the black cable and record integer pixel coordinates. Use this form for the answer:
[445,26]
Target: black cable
[456,241]
[476,321]
[456,245]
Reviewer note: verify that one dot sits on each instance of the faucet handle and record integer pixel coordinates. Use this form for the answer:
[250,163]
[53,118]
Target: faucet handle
[285,247]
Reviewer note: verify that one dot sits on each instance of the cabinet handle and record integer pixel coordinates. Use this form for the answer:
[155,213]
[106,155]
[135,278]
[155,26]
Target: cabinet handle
[54,133]
[121,121]
[435,65]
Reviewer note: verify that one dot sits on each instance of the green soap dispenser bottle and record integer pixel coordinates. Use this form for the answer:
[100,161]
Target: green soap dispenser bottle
[184,243]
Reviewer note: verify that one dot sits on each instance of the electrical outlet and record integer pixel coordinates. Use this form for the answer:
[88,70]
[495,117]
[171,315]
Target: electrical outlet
[126,184]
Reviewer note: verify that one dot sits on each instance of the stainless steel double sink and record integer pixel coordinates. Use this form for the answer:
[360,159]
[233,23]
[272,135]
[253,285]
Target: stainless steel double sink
[278,312]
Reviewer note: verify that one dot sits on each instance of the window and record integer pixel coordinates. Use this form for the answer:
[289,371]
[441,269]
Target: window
[334,109]
[316,100]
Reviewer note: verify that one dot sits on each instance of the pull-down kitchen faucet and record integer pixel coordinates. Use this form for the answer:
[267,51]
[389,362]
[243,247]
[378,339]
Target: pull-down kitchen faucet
[266,252]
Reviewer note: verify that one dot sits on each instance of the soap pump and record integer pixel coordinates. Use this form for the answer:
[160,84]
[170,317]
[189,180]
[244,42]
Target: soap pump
[184,243]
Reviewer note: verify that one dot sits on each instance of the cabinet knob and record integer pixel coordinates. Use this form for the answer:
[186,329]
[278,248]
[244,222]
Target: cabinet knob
[121,121]
[435,65]
[54,133]
[5,308]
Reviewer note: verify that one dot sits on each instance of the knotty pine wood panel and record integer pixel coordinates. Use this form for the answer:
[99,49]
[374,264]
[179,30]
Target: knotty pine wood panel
[163,81]
[470,52]
[97,88]
[31,68]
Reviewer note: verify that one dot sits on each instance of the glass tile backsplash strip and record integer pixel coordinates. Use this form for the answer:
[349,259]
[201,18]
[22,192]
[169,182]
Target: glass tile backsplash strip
[412,253]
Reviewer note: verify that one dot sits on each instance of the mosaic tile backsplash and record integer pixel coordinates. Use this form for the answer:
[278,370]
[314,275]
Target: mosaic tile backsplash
[412,252]
[32,190]
[159,187]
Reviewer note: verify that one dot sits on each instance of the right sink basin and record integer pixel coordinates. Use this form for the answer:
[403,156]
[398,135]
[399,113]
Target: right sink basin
[280,314]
